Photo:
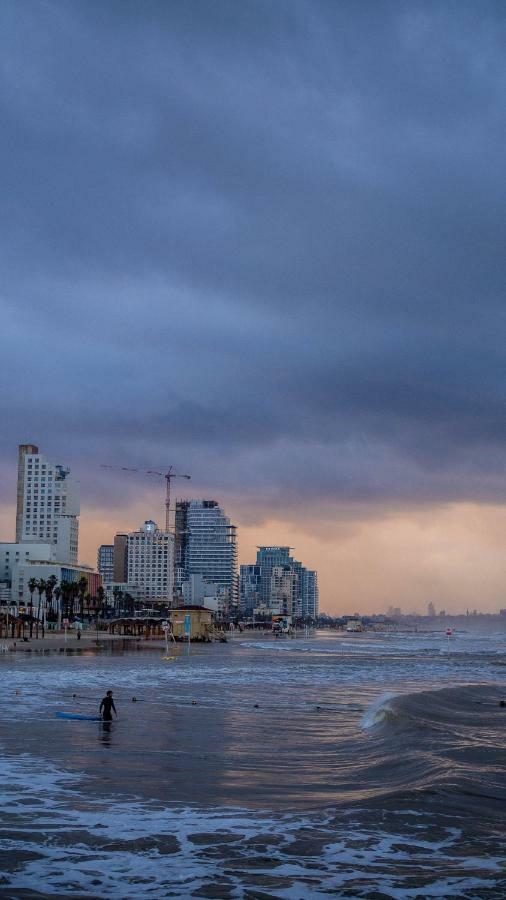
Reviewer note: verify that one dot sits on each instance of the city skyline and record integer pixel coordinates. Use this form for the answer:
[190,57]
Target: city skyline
[319,552]
[266,246]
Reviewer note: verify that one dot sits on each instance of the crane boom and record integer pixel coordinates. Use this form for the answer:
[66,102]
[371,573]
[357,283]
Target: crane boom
[169,475]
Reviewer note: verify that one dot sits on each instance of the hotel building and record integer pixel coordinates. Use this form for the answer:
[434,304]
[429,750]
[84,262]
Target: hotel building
[47,508]
[151,562]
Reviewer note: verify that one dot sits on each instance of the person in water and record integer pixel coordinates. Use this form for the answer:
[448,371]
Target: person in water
[106,707]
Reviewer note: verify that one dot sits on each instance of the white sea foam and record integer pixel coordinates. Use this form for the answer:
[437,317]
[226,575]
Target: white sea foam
[82,847]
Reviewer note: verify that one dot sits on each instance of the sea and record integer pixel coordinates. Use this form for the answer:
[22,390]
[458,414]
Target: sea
[363,766]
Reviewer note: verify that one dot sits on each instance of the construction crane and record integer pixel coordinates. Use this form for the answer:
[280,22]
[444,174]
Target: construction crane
[169,475]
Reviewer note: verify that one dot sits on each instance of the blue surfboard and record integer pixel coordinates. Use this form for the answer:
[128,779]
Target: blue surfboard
[70,715]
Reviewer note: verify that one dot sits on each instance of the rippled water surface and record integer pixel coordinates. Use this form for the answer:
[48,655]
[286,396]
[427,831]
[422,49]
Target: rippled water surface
[360,766]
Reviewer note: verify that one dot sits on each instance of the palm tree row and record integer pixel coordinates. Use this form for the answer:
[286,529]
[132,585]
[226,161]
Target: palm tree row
[70,600]
[60,602]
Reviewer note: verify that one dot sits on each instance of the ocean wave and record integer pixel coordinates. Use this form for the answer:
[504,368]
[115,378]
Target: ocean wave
[73,843]
[474,706]
[378,711]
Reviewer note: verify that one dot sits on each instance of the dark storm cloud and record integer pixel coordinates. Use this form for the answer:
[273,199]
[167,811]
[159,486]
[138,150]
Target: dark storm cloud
[264,240]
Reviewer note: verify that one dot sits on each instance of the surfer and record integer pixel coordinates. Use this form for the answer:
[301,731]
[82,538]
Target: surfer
[106,707]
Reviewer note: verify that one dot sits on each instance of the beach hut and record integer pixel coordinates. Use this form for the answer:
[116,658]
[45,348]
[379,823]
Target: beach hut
[197,619]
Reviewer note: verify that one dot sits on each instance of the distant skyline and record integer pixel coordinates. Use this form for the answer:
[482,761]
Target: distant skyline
[264,242]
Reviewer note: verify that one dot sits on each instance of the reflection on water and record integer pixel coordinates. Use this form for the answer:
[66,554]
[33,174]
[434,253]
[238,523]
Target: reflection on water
[106,733]
[332,735]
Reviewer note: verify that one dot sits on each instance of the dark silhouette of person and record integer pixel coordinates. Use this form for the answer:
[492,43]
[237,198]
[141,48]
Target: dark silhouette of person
[106,707]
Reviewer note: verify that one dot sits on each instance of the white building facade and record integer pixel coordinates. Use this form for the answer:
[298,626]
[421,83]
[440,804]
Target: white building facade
[47,510]
[283,586]
[151,562]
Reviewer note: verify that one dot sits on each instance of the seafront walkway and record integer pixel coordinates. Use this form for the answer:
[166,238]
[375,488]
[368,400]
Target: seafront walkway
[58,641]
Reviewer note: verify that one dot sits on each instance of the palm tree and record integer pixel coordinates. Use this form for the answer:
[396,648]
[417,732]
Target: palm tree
[82,587]
[50,587]
[87,600]
[41,587]
[32,584]
[99,599]
[65,594]
[73,592]
[99,607]
[57,594]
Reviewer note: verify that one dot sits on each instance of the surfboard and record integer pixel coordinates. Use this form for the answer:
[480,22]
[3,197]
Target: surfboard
[71,715]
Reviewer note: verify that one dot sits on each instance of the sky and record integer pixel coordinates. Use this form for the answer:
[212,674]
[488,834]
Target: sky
[264,242]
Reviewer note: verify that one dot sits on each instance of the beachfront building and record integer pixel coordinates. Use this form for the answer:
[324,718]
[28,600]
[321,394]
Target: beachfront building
[47,507]
[283,588]
[118,593]
[12,554]
[206,545]
[120,558]
[279,583]
[198,591]
[42,570]
[310,594]
[250,589]
[105,562]
[151,562]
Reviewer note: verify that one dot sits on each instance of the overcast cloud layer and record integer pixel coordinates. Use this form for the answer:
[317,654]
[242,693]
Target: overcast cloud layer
[263,241]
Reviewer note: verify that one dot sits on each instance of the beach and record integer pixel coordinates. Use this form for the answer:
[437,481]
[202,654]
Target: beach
[362,765]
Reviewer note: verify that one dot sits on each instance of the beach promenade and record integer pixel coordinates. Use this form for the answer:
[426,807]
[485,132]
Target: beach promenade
[56,641]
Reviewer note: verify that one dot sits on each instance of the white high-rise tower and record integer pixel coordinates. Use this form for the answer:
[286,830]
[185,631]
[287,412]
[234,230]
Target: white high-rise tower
[47,504]
[206,545]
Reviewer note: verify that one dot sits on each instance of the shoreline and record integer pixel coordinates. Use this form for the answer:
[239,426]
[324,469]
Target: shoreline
[55,642]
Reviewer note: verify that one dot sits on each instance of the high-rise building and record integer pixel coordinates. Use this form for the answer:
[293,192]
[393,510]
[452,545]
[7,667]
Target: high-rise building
[151,562]
[105,562]
[267,559]
[250,589]
[283,589]
[206,544]
[47,504]
[310,594]
[120,558]
[279,583]
[23,450]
